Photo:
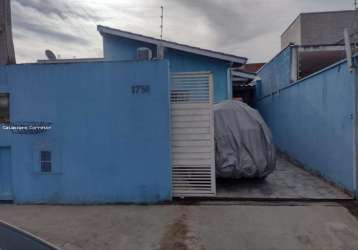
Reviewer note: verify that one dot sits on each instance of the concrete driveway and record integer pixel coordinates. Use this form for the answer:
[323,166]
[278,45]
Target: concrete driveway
[288,182]
[204,227]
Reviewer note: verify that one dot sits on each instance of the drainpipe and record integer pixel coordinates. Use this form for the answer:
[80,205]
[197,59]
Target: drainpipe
[229,84]
[354,129]
[352,66]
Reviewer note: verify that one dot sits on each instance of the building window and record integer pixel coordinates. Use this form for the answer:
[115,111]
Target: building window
[4,108]
[45,161]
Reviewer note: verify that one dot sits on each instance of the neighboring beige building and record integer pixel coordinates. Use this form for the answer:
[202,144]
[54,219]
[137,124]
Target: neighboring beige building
[320,28]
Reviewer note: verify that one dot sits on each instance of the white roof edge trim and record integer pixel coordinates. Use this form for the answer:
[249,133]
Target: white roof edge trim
[71,60]
[243,74]
[173,45]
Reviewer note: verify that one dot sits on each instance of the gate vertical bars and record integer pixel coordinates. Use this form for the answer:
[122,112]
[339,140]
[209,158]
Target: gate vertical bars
[193,155]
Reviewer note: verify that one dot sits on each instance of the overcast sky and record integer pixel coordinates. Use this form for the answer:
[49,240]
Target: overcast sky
[249,28]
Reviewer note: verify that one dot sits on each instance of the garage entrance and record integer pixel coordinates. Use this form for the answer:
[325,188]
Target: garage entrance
[193,154]
[288,181]
[193,158]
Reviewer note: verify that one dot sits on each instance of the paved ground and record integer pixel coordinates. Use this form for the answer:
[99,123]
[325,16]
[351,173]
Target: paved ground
[287,182]
[204,227]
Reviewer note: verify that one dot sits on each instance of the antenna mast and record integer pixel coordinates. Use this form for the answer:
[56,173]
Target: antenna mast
[161,22]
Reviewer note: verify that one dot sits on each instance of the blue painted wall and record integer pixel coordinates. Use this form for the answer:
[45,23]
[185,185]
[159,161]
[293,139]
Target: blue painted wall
[128,48]
[276,74]
[117,48]
[311,119]
[108,144]
[5,174]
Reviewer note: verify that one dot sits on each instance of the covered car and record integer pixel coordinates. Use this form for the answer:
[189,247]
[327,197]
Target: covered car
[243,142]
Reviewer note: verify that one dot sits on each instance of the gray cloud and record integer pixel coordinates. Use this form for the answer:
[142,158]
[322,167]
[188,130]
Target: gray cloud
[59,8]
[47,32]
[249,28]
[49,24]
[229,20]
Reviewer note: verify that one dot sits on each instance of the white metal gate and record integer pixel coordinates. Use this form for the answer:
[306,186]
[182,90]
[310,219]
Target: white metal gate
[193,158]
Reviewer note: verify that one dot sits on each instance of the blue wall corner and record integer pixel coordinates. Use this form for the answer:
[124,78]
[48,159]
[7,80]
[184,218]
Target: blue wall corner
[109,144]
[311,119]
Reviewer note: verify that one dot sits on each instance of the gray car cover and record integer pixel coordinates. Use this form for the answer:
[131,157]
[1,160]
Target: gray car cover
[243,142]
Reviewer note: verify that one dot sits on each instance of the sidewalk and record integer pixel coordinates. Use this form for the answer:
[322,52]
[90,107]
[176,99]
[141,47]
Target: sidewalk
[204,227]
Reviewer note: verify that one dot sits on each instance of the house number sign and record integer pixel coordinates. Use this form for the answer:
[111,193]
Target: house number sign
[140,89]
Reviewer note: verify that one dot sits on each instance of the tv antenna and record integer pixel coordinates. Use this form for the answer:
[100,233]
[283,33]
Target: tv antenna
[161,22]
[50,55]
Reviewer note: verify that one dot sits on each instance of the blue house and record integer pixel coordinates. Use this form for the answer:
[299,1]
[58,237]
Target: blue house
[100,131]
[122,45]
